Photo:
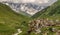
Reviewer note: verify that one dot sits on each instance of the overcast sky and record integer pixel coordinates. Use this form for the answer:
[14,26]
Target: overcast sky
[32,1]
[26,1]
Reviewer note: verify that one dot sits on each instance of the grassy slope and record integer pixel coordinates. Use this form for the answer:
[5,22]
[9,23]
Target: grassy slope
[10,21]
[52,11]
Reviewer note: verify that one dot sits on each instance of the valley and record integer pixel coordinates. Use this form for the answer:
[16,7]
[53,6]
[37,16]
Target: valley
[47,21]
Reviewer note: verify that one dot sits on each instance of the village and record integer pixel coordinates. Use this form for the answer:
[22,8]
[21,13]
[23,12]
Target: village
[38,25]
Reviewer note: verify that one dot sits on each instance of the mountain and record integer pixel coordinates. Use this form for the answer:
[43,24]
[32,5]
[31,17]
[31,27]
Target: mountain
[29,7]
[52,12]
[10,20]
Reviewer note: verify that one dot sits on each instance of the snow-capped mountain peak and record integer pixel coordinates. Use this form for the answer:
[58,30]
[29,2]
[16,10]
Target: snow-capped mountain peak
[30,7]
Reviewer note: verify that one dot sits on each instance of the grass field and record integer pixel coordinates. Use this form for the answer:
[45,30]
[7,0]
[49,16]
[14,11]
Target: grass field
[52,11]
[10,21]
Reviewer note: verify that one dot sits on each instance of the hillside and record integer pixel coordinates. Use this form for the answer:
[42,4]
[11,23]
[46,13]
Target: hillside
[10,21]
[52,11]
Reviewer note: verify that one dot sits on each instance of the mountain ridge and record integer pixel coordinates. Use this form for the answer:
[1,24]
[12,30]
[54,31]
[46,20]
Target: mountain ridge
[30,8]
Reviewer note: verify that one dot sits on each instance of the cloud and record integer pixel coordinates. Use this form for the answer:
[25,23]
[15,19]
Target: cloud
[27,1]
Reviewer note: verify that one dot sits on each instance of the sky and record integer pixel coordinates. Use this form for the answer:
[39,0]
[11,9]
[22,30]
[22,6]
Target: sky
[26,1]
